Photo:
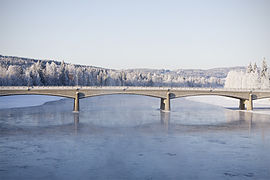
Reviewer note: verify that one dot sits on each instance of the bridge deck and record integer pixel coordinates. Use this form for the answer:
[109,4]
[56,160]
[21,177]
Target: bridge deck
[165,93]
[159,92]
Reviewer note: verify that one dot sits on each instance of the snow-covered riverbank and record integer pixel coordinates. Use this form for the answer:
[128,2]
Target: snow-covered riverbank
[261,106]
[25,101]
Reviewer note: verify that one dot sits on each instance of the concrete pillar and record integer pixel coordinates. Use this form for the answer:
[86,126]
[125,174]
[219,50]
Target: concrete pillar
[249,103]
[165,103]
[162,104]
[76,106]
[242,104]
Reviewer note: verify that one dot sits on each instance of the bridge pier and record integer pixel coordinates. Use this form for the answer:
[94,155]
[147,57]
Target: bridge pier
[249,103]
[76,106]
[242,104]
[165,103]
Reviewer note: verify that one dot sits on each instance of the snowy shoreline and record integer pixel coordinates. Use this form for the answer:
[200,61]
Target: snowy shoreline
[261,106]
[18,101]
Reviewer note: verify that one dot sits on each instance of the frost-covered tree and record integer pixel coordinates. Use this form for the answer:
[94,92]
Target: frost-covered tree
[252,79]
[15,75]
[249,68]
[255,68]
[265,84]
[33,76]
[3,76]
[63,75]
[234,79]
[264,68]
[50,73]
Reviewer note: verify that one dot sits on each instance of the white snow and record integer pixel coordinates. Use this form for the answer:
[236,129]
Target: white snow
[25,100]
[261,106]
[216,100]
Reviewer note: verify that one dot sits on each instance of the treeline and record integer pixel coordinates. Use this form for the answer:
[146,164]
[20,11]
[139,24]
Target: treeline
[252,78]
[28,72]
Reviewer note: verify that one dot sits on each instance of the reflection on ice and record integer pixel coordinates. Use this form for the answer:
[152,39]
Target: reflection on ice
[165,119]
[76,121]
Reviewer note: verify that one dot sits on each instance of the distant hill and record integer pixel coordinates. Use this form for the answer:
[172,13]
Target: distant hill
[214,72]
[26,62]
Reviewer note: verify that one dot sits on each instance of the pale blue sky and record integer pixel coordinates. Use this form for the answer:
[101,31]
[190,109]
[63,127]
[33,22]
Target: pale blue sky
[138,34]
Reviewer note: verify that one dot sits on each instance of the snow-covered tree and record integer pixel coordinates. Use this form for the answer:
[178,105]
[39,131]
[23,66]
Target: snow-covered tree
[255,68]
[265,84]
[264,68]
[15,75]
[50,74]
[63,74]
[249,68]
[33,76]
[252,79]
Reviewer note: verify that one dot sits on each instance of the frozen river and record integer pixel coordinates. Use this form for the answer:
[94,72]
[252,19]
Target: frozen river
[127,137]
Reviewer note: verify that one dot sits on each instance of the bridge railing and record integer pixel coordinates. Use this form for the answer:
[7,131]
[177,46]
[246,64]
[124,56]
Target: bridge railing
[133,88]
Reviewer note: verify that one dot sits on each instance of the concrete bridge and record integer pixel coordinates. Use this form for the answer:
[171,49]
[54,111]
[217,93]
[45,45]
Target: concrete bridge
[245,97]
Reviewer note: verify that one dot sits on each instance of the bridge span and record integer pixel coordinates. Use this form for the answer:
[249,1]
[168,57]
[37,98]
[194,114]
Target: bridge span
[245,96]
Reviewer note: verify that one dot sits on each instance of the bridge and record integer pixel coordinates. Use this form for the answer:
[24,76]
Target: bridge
[165,94]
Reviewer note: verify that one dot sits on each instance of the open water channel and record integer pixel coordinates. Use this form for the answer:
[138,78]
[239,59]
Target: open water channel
[127,137]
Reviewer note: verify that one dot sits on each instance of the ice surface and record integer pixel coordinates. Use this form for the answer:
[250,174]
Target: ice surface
[128,137]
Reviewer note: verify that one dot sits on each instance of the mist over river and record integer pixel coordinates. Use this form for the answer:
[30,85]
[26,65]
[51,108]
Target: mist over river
[128,137]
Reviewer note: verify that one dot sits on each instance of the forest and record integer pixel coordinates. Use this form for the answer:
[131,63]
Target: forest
[16,71]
